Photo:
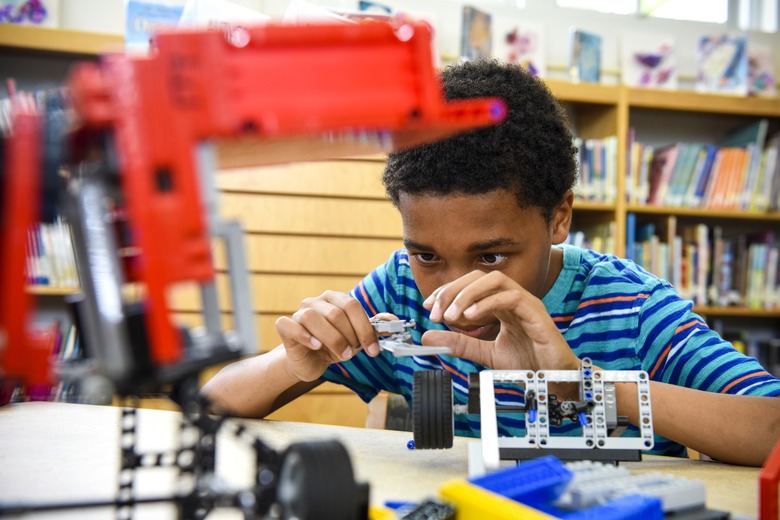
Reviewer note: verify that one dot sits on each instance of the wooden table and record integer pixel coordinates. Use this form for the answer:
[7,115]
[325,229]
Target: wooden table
[57,452]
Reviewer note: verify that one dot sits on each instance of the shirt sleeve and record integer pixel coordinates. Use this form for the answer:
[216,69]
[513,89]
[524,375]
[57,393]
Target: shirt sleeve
[677,347]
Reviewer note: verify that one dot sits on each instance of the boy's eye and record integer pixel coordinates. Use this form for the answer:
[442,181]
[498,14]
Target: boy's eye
[425,258]
[493,259]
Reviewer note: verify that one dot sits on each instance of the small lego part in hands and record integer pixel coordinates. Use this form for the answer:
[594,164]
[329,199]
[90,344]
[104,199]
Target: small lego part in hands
[400,343]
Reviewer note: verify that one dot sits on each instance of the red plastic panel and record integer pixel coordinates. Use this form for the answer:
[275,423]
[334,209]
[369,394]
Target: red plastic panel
[22,357]
[270,84]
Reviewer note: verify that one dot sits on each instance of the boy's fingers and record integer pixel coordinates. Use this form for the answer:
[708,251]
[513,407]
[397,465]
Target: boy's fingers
[462,346]
[325,330]
[445,296]
[292,330]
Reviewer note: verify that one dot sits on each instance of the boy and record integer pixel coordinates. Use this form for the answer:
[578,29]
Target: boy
[481,273]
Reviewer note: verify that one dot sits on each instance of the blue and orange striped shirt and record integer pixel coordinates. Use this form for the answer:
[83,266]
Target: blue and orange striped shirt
[607,309]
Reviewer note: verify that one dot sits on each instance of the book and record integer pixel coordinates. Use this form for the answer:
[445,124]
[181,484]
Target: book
[770,173]
[762,79]
[38,13]
[753,133]
[648,60]
[771,301]
[648,152]
[584,56]
[476,34]
[630,235]
[702,263]
[722,64]
[143,17]
[661,170]
[681,176]
[701,173]
[524,44]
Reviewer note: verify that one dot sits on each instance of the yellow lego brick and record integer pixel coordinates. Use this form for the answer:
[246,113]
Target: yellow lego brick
[381,513]
[476,503]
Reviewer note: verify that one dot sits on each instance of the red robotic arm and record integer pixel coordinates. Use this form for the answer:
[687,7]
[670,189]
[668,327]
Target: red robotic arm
[270,94]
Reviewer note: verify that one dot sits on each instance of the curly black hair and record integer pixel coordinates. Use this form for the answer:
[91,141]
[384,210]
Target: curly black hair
[530,154]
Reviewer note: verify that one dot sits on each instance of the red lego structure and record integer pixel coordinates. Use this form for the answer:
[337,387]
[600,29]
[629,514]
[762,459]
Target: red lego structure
[769,486]
[269,94]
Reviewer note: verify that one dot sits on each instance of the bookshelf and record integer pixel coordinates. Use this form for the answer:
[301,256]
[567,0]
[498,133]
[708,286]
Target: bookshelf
[301,218]
[660,116]
[49,290]
[57,41]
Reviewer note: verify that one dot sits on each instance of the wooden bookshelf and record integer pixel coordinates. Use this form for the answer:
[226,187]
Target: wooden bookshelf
[59,40]
[584,92]
[706,310]
[700,102]
[50,290]
[708,214]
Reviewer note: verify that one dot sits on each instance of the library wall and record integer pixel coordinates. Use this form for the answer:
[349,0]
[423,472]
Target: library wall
[309,227]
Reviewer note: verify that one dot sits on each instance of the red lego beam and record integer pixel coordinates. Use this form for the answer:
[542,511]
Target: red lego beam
[24,354]
[324,88]
[769,482]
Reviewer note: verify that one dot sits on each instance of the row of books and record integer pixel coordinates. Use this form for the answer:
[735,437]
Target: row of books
[742,174]
[50,257]
[63,342]
[67,349]
[599,238]
[707,266]
[597,169]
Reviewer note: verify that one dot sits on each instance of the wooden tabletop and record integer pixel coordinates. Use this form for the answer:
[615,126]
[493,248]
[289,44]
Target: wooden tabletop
[56,452]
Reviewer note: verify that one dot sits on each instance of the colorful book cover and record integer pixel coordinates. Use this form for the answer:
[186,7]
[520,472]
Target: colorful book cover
[683,172]
[648,61]
[37,13]
[142,18]
[524,44]
[661,171]
[722,64]
[584,56]
[762,80]
[364,6]
[701,176]
[476,34]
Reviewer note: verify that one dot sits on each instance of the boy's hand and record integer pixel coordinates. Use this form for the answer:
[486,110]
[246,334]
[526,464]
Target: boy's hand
[527,337]
[327,329]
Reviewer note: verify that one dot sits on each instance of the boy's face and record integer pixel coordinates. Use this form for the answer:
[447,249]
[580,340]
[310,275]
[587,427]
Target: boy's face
[452,235]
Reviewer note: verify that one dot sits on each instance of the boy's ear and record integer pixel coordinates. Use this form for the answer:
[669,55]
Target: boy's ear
[561,219]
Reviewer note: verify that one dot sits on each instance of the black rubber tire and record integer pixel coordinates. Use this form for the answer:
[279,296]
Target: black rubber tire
[474,404]
[316,482]
[432,410]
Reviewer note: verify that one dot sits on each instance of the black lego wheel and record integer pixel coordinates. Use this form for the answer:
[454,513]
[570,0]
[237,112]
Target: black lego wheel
[316,482]
[432,409]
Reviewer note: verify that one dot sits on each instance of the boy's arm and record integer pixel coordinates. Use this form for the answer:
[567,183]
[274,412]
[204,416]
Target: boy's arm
[256,386]
[739,429]
[325,330]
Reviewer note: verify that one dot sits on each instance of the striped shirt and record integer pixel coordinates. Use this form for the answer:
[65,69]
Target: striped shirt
[608,309]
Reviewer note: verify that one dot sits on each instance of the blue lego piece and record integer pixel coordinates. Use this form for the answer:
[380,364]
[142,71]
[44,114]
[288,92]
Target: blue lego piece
[533,482]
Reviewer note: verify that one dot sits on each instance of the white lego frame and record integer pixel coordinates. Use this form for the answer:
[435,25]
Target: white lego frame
[594,434]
